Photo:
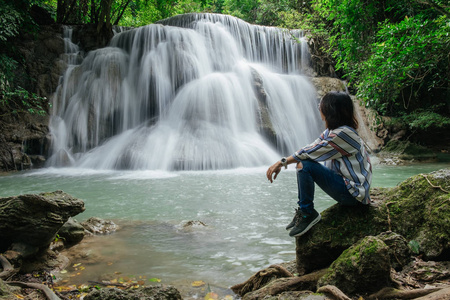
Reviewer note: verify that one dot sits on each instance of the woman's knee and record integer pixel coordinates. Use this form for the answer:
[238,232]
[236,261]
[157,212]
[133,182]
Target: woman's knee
[306,165]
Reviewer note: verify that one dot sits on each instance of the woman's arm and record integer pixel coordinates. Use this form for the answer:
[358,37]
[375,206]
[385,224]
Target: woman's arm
[276,168]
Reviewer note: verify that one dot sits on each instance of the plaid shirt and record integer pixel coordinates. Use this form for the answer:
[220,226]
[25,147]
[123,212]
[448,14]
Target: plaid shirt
[343,151]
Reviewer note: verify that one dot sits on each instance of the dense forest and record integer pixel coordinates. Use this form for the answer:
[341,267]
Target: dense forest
[394,54]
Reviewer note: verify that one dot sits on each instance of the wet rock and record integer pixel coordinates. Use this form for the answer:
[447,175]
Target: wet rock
[99,226]
[159,292]
[197,223]
[72,232]
[364,267]
[34,220]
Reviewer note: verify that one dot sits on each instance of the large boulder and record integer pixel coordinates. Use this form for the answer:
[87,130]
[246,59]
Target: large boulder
[33,220]
[339,229]
[364,267]
[418,209]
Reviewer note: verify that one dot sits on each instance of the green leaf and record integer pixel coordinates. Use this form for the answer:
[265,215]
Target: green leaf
[414,246]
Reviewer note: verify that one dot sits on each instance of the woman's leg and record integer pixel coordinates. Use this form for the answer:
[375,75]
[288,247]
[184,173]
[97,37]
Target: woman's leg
[310,172]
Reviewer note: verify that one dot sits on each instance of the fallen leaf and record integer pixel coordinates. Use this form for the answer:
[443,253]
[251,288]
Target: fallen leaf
[154,280]
[76,265]
[198,283]
[211,296]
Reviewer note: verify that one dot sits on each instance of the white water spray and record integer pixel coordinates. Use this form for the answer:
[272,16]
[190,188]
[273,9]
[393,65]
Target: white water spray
[198,91]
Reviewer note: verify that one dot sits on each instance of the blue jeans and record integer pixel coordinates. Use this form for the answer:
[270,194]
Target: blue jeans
[328,180]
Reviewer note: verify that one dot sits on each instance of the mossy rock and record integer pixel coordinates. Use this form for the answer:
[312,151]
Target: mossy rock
[363,268]
[399,250]
[418,209]
[340,228]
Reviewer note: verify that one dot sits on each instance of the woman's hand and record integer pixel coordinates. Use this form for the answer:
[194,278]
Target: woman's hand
[274,169]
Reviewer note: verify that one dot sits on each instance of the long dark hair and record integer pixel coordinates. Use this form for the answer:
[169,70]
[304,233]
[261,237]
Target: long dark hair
[337,107]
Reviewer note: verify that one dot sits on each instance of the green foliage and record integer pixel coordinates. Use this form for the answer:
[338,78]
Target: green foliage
[351,26]
[425,119]
[10,23]
[393,53]
[414,246]
[7,66]
[409,61]
[243,9]
[22,101]
[10,20]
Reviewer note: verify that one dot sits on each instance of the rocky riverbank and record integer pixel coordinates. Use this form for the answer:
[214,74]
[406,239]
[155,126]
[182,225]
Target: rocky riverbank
[397,248]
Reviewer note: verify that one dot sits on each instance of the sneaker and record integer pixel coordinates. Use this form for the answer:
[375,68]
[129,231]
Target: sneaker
[304,223]
[297,215]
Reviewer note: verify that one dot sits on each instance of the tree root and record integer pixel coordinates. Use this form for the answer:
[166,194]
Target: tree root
[304,282]
[333,292]
[443,294]
[260,279]
[45,289]
[8,269]
[392,293]
[434,186]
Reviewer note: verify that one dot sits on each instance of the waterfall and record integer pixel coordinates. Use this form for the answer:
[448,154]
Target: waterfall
[193,92]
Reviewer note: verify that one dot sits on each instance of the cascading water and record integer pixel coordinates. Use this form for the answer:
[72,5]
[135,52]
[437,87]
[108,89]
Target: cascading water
[194,92]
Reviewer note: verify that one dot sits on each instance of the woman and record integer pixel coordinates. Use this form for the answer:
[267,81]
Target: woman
[347,173]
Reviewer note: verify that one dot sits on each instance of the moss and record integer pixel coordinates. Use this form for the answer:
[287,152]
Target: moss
[419,209]
[359,266]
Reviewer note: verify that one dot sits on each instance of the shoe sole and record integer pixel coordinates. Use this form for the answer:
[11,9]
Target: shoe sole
[314,222]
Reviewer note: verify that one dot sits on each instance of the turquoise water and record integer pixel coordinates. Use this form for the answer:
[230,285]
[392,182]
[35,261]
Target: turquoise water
[244,213]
